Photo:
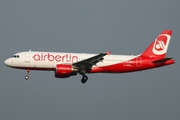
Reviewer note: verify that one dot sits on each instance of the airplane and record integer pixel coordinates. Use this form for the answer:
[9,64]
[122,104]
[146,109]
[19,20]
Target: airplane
[66,64]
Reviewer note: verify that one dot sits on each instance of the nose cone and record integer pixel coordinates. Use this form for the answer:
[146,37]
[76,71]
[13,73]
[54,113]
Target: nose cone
[7,62]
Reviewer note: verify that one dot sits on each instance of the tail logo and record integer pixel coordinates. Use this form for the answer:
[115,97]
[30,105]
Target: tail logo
[161,44]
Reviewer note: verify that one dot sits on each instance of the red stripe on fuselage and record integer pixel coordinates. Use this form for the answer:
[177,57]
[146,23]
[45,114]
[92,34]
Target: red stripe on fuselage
[130,66]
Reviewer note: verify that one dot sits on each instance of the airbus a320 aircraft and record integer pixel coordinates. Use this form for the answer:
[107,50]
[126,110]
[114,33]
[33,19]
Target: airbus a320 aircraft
[65,65]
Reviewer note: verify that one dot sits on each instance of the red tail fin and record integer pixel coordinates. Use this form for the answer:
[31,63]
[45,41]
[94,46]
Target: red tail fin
[159,46]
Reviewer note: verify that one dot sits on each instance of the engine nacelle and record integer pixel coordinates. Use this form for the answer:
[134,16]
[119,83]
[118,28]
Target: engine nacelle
[64,71]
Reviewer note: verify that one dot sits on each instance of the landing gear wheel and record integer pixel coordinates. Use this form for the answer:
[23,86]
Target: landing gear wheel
[26,77]
[84,79]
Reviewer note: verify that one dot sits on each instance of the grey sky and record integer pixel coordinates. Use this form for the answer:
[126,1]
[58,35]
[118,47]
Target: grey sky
[94,26]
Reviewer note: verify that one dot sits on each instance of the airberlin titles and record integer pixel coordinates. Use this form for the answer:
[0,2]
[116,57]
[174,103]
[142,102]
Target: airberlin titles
[57,57]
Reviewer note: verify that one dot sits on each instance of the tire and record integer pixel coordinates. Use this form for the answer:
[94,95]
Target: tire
[26,77]
[84,79]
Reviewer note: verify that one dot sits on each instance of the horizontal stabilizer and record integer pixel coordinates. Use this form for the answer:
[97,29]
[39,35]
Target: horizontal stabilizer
[161,60]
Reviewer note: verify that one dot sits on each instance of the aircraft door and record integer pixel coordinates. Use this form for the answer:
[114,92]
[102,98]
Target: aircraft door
[138,62]
[27,57]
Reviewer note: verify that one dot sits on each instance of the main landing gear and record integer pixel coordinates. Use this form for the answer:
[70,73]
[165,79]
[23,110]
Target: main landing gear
[84,79]
[27,76]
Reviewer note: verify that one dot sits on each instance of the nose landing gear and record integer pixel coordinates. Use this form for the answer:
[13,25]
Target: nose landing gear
[27,76]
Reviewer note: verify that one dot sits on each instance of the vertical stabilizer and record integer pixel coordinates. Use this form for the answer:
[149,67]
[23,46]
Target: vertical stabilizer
[159,47]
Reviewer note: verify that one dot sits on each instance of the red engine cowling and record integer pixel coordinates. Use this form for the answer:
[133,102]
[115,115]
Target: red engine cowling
[64,71]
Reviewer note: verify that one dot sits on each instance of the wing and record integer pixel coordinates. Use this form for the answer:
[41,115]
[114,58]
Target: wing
[89,62]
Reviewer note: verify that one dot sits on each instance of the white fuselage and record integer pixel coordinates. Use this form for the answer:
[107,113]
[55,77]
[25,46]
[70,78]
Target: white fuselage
[48,60]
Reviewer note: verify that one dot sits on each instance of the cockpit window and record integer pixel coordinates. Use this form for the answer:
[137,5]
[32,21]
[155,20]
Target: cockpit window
[15,56]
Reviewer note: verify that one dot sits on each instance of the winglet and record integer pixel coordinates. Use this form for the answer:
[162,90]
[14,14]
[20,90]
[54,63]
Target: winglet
[108,52]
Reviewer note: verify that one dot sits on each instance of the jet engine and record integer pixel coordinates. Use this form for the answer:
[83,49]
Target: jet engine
[64,71]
